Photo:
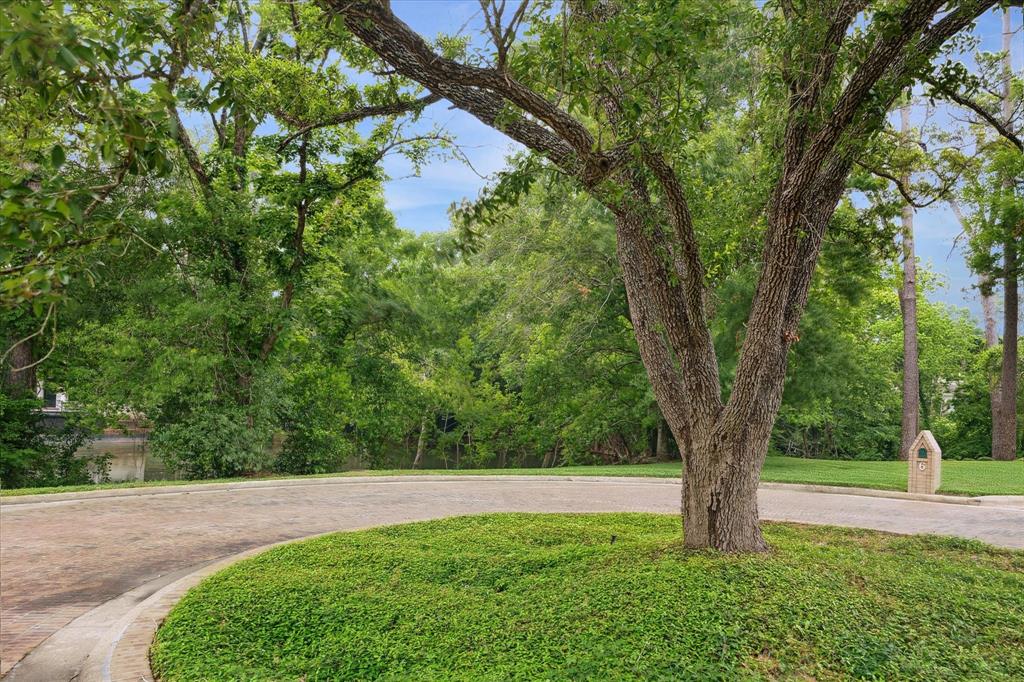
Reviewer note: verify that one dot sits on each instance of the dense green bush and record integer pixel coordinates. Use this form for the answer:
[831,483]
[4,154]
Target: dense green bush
[214,443]
[29,456]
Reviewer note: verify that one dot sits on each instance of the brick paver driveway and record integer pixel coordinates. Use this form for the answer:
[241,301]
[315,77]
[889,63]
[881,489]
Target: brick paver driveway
[61,559]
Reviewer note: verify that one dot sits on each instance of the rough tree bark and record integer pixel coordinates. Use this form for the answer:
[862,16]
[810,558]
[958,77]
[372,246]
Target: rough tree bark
[908,310]
[661,441]
[829,115]
[19,378]
[988,313]
[421,444]
[1004,432]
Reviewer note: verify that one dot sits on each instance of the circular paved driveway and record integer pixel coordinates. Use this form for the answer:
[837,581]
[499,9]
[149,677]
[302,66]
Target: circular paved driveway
[61,559]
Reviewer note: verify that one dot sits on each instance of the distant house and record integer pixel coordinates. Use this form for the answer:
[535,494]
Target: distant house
[52,401]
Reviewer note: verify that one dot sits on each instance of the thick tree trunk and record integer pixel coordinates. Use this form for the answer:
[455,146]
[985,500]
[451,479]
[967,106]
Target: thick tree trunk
[20,372]
[724,456]
[720,492]
[1004,432]
[421,444]
[908,309]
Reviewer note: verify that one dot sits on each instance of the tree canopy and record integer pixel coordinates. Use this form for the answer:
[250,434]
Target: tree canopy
[694,256]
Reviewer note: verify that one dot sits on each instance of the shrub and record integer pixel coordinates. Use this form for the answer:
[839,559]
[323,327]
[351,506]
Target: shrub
[29,456]
[214,443]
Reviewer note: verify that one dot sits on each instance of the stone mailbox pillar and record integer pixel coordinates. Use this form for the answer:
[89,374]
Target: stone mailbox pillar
[925,465]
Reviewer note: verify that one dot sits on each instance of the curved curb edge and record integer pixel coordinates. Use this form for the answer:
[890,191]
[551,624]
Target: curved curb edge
[122,653]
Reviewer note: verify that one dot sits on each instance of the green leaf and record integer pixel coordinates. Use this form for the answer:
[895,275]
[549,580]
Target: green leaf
[66,59]
[57,156]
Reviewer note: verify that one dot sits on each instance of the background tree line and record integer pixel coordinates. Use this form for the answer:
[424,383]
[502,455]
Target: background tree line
[245,292]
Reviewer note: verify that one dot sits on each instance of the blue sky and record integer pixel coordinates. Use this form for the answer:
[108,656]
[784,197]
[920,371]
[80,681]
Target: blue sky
[421,203]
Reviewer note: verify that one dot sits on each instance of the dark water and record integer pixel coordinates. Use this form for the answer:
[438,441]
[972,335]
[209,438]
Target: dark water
[131,458]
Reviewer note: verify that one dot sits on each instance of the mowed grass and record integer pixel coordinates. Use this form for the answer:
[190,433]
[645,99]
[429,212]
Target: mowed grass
[601,597]
[968,477]
[965,477]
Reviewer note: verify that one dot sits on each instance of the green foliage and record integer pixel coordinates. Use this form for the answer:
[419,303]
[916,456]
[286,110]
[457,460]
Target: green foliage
[74,129]
[316,443]
[248,285]
[527,596]
[842,396]
[213,443]
[204,281]
[535,360]
[31,457]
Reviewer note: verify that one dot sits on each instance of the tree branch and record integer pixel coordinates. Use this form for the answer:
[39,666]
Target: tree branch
[356,115]
[901,186]
[967,103]
[484,93]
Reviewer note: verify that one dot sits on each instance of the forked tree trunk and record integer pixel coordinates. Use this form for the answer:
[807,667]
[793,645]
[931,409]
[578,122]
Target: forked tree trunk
[908,309]
[658,247]
[723,456]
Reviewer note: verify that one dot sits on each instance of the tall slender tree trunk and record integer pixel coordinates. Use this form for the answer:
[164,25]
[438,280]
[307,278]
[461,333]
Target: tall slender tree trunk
[1004,436]
[421,444]
[988,313]
[908,308]
[661,442]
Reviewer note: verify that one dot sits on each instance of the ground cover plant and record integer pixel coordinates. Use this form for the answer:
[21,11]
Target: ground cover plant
[521,596]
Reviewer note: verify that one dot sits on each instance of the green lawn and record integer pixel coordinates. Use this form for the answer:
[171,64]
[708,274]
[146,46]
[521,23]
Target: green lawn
[601,597]
[969,477]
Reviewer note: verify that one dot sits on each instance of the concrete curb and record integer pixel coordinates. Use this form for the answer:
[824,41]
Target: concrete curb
[1012,501]
[122,652]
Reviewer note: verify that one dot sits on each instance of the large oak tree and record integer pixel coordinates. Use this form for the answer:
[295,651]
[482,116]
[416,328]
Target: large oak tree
[611,102]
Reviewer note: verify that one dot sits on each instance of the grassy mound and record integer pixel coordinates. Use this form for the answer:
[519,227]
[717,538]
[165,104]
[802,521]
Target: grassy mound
[573,597]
